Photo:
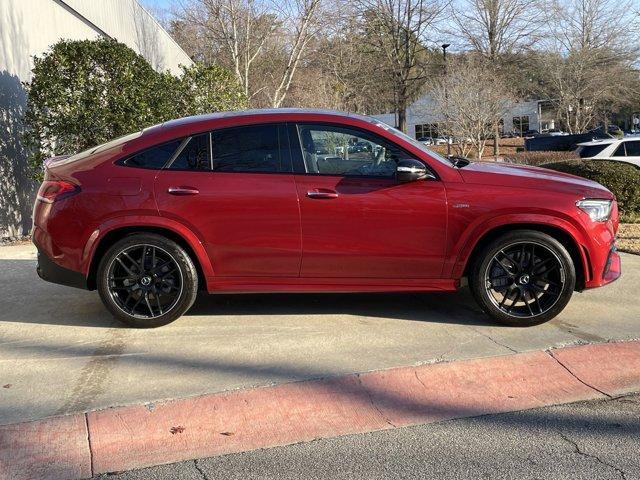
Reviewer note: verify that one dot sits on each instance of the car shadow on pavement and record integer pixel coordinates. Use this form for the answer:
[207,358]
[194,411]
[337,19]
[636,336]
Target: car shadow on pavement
[28,299]
[452,308]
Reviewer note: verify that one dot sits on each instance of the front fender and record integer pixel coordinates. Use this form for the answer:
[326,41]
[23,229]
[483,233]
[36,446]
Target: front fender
[481,227]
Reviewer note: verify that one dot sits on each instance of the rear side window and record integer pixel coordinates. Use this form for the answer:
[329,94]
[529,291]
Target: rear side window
[588,151]
[633,149]
[154,157]
[250,149]
[195,155]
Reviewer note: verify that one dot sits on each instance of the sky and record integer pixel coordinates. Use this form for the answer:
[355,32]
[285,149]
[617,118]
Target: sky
[157,3]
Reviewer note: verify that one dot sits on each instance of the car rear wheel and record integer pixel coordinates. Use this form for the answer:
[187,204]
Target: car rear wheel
[147,280]
[523,278]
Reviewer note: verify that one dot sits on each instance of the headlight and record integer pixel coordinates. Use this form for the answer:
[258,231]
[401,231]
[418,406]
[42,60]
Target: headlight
[598,210]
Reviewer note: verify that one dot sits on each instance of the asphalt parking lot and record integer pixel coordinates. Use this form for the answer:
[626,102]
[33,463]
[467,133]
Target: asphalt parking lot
[61,352]
[585,440]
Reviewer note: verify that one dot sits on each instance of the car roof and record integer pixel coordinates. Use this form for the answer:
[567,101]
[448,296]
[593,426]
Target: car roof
[284,112]
[599,141]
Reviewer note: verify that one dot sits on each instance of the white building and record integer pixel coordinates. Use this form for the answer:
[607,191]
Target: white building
[30,27]
[422,121]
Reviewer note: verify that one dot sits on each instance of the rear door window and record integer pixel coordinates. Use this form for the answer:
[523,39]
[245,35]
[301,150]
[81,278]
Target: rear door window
[248,149]
[154,157]
[195,155]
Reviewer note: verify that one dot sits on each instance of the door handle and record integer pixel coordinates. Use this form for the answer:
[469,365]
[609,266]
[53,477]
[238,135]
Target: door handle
[183,191]
[322,193]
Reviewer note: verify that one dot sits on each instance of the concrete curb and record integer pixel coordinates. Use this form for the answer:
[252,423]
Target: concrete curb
[124,438]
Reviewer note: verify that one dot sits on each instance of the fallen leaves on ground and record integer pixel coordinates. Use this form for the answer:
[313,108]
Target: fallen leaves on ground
[629,238]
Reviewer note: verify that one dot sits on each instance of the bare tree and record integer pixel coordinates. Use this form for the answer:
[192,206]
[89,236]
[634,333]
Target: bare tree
[590,65]
[494,28]
[497,27]
[301,17]
[470,101]
[342,70]
[401,29]
[239,32]
[238,28]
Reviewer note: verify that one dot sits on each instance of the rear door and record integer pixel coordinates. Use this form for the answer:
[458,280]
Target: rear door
[357,220]
[234,187]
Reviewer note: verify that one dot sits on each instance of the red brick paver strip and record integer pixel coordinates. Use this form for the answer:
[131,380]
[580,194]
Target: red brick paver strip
[612,368]
[137,436]
[55,448]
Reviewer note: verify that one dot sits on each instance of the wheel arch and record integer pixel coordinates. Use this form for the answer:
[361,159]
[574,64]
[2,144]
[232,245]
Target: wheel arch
[576,250]
[106,237]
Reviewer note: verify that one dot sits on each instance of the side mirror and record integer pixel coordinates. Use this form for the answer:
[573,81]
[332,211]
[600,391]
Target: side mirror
[412,170]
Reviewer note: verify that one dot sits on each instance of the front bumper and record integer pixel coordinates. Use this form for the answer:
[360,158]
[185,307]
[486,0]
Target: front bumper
[52,272]
[613,267]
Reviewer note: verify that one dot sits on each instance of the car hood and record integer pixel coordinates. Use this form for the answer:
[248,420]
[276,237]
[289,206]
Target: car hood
[509,175]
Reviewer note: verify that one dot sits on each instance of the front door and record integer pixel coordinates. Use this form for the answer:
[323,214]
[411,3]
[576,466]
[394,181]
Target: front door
[234,187]
[357,220]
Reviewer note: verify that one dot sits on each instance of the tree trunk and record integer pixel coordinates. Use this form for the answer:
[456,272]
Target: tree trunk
[402,116]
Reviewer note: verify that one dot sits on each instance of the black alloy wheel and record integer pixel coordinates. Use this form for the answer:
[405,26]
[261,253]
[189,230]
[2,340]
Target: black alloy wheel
[147,280]
[524,278]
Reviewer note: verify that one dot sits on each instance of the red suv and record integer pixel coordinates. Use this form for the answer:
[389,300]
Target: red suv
[314,201]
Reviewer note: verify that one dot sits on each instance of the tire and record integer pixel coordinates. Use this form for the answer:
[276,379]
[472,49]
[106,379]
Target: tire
[523,278]
[146,280]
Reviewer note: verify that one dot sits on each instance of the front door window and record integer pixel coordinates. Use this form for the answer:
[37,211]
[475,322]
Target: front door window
[332,150]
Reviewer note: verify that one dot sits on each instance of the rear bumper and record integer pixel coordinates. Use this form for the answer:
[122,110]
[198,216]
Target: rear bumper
[52,272]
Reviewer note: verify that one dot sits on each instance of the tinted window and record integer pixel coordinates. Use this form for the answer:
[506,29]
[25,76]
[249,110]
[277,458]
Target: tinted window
[195,155]
[155,157]
[248,149]
[633,149]
[619,151]
[589,151]
[329,150]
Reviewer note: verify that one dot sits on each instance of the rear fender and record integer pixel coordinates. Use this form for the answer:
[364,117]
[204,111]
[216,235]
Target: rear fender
[142,221]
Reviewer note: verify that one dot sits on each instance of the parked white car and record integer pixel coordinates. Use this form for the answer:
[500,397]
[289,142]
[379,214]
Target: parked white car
[625,149]
[443,140]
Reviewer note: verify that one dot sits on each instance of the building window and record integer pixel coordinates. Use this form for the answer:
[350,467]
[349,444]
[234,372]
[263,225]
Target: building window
[521,124]
[427,130]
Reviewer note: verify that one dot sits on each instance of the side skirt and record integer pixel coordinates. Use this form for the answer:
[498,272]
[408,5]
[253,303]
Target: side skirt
[327,285]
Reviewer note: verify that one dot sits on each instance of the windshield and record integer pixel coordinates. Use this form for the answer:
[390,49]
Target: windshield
[415,143]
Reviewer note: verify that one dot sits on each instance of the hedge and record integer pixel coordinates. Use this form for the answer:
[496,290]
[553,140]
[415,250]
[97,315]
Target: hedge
[540,158]
[623,179]
[87,92]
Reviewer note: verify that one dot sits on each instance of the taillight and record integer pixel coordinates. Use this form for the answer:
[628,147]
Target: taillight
[53,190]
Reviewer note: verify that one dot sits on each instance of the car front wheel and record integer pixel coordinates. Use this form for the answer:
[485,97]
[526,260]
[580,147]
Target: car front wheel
[523,278]
[147,280]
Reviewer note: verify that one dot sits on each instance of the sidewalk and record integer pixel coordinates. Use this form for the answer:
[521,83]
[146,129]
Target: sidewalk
[84,444]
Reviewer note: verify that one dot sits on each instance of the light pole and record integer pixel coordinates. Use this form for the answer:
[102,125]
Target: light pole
[446,93]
